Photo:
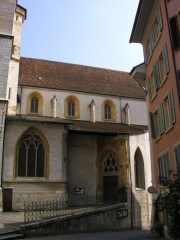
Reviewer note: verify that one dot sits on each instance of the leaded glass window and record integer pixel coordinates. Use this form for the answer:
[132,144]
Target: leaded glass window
[71,108]
[34,105]
[107,111]
[110,163]
[31,156]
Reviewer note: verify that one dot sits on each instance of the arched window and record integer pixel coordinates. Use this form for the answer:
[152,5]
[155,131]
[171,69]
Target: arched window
[107,111]
[34,105]
[71,108]
[31,156]
[139,169]
[110,163]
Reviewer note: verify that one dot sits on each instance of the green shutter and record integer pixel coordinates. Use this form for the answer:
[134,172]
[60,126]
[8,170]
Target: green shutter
[161,123]
[156,76]
[177,157]
[166,165]
[151,117]
[171,110]
[151,39]
[149,88]
[165,60]
[160,166]
[159,18]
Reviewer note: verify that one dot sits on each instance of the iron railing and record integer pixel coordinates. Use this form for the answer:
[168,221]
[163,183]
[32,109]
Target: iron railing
[38,211]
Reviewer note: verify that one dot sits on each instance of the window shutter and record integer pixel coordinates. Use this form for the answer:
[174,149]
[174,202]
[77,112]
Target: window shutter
[156,76]
[178,82]
[165,60]
[161,122]
[151,118]
[177,157]
[159,18]
[171,110]
[175,34]
[166,165]
[149,88]
[152,39]
[160,166]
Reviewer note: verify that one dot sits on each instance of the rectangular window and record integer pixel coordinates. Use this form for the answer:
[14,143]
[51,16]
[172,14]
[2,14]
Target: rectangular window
[163,165]
[163,64]
[175,31]
[169,112]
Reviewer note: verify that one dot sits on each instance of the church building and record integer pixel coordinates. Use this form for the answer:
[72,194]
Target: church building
[70,130]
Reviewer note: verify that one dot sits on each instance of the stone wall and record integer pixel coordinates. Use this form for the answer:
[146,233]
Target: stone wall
[82,151]
[102,219]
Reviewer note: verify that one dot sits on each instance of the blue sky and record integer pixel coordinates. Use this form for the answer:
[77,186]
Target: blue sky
[87,32]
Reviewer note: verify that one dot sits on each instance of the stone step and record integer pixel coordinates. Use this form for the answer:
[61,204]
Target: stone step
[11,235]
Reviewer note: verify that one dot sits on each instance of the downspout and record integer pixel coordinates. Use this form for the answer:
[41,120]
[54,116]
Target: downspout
[130,178]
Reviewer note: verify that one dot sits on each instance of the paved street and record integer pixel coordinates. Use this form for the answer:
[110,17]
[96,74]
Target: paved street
[118,235]
[12,220]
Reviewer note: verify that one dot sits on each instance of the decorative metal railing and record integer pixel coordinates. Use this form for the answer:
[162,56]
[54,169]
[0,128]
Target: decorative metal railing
[38,211]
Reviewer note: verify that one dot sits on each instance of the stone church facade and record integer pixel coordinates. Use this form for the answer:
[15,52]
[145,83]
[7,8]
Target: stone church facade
[70,130]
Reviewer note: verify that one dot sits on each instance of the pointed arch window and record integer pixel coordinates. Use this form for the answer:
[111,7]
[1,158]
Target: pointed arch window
[107,111]
[71,108]
[34,105]
[139,170]
[110,163]
[31,155]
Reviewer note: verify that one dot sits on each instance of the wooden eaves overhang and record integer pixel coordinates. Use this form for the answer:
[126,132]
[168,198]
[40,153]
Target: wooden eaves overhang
[140,22]
[86,127]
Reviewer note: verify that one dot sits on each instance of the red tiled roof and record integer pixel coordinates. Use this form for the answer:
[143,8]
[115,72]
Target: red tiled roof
[71,77]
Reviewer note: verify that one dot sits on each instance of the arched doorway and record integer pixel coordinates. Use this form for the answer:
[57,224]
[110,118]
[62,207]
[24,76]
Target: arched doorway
[110,178]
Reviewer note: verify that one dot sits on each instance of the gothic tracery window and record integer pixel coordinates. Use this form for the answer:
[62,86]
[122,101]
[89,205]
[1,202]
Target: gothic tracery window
[31,156]
[110,163]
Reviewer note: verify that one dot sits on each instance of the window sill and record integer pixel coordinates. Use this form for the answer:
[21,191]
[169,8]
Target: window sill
[158,138]
[30,179]
[169,128]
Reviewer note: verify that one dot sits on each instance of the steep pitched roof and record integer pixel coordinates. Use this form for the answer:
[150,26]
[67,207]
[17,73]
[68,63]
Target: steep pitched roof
[72,77]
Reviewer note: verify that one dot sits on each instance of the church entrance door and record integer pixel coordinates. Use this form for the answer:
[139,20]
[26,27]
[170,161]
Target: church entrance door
[110,189]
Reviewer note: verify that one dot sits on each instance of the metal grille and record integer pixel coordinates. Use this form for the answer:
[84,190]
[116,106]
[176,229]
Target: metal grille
[37,211]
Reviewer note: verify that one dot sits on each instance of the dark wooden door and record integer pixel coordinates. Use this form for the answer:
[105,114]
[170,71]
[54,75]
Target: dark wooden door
[7,199]
[110,189]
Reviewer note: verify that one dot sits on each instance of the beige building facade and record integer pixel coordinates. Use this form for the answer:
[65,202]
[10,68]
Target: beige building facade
[73,130]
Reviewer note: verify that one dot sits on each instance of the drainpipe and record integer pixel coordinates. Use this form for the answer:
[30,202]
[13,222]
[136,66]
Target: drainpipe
[130,178]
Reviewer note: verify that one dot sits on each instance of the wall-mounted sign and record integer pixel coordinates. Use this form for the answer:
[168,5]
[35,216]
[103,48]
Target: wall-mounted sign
[79,191]
[151,189]
[121,213]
